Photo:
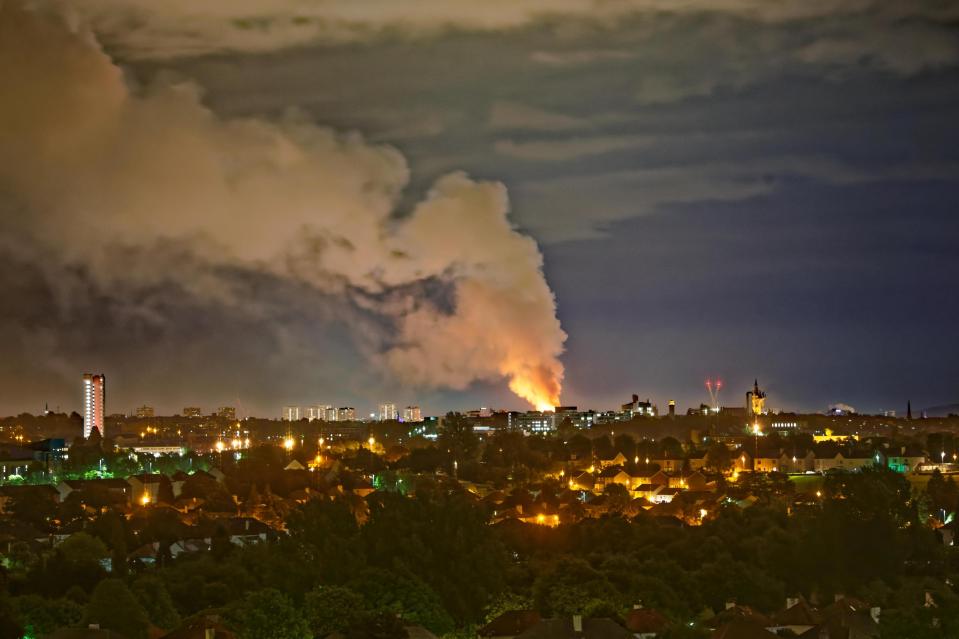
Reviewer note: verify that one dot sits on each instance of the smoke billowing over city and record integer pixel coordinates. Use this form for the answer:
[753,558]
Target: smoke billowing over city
[516,319]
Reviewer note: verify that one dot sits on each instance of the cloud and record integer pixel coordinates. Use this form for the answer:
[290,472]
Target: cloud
[579,57]
[106,175]
[515,116]
[587,206]
[568,149]
[148,29]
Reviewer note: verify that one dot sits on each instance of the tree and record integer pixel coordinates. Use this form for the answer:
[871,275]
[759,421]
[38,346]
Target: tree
[81,548]
[332,609]
[114,607]
[458,438]
[718,457]
[155,599]
[41,616]
[617,497]
[268,614]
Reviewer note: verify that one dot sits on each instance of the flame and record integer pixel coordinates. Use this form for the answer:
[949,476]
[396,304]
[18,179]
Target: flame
[540,387]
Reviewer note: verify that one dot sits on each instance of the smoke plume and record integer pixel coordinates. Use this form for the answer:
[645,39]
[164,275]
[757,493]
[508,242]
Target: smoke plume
[96,167]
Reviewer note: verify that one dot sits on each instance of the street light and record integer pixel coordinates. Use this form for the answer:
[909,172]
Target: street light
[289,443]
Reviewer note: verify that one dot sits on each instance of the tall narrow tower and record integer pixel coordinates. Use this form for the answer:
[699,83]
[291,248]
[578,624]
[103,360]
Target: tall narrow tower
[94,397]
[756,401]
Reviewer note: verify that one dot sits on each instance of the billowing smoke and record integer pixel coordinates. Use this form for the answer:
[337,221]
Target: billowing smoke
[95,166]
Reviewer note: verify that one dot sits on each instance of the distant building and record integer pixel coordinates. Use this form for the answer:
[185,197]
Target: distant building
[387,412]
[226,412]
[144,411]
[319,411]
[579,419]
[94,399]
[636,408]
[672,408]
[412,414]
[533,421]
[331,414]
[755,401]
[733,411]
[786,425]
[291,413]
[345,414]
[192,411]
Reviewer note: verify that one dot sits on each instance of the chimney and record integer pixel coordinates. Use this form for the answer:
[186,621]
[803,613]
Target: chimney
[874,613]
[577,623]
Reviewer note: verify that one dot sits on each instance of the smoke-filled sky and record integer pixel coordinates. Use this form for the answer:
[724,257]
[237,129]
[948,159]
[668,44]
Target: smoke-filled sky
[269,202]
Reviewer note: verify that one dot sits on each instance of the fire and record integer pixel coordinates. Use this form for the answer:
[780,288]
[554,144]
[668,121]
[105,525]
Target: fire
[540,389]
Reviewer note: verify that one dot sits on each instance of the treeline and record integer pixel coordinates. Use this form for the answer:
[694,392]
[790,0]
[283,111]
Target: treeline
[433,560]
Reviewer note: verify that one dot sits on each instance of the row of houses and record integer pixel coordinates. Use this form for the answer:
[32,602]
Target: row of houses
[821,458]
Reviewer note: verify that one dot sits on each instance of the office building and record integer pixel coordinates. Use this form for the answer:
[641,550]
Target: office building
[144,411]
[192,411]
[291,413]
[94,399]
[387,411]
[533,421]
[346,414]
[412,414]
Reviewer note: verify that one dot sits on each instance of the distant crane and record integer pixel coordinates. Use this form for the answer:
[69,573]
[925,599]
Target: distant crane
[713,388]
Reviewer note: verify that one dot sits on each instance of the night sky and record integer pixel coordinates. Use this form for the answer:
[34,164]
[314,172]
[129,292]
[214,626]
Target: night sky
[742,189]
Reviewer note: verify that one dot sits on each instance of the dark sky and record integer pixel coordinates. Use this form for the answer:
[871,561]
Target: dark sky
[743,189]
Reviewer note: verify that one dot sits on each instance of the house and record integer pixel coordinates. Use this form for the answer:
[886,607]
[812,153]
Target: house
[177,480]
[905,459]
[583,481]
[617,460]
[696,460]
[855,461]
[766,462]
[741,629]
[797,462]
[797,617]
[146,488]
[576,627]
[670,464]
[647,491]
[664,495]
[659,478]
[645,623]
[244,531]
[613,475]
[510,624]
[117,490]
[692,481]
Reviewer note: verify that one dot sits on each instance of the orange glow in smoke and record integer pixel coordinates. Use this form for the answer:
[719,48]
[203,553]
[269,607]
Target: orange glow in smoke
[542,390]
